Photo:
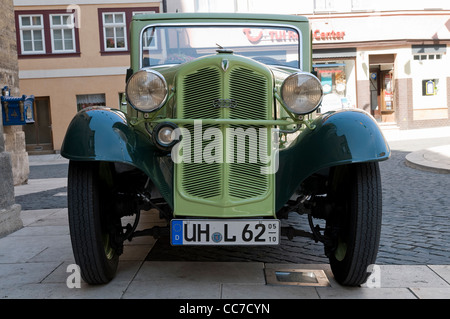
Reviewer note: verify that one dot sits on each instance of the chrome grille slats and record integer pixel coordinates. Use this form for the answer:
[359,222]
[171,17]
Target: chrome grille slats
[245,179]
[251,90]
[200,88]
[201,179]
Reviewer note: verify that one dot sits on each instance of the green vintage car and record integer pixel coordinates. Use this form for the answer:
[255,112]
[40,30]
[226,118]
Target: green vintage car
[221,136]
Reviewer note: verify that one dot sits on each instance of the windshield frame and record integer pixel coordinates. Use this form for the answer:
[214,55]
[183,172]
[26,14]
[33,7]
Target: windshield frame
[223,24]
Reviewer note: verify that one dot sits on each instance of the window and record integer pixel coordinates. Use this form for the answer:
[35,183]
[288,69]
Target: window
[428,51]
[362,5]
[338,79]
[274,45]
[113,27]
[90,100]
[149,40]
[46,32]
[430,87]
[221,6]
[422,57]
[114,31]
[123,102]
[142,12]
[323,5]
[62,33]
[32,34]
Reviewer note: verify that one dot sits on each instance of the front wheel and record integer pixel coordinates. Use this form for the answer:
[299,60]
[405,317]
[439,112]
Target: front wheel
[92,229]
[356,225]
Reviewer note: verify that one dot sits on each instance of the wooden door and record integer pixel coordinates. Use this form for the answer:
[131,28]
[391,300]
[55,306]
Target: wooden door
[38,136]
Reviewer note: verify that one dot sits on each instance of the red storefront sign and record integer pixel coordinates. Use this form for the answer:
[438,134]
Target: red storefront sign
[256,36]
[271,35]
[328,35]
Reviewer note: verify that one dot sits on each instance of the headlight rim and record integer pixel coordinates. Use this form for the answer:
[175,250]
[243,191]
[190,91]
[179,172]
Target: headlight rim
[161,77]
[319,86]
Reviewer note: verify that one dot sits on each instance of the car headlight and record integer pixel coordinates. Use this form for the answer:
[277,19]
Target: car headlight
[301,92]
[146,90]
[165,135]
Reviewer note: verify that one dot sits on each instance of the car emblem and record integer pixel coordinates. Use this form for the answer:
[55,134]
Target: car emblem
[225,103]
[225,64]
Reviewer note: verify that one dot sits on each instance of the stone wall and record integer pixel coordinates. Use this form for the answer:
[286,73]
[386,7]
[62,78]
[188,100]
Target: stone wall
[9,76]
[9,211]
[16,146]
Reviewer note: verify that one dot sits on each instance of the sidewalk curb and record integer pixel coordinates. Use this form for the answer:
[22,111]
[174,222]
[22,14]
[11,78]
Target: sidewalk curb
[436,160]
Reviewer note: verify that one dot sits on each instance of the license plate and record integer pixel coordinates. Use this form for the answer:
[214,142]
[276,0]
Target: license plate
[225,232]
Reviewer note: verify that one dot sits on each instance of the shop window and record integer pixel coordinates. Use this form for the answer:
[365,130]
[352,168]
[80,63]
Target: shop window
[90,100]
[335,84]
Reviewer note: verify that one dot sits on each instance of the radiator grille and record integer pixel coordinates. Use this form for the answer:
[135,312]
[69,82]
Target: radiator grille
[249,90]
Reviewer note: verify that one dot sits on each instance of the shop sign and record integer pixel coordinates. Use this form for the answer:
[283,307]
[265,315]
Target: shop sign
[272,35]
[256,36]
[430,87]
[328,35]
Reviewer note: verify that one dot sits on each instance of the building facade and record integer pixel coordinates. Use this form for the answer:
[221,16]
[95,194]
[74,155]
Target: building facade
[72,54]
[386,57]
[390,63]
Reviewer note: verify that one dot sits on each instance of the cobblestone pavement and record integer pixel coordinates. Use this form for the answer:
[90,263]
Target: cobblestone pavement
[416,214]
[416,222]
[416,225]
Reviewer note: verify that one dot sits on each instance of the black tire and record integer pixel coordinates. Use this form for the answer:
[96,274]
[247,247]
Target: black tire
[357,224]
[90,225]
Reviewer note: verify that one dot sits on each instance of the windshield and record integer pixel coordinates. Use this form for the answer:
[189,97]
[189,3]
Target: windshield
[163,45]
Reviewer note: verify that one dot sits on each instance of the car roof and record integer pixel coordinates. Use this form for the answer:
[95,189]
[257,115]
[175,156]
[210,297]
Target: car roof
[221,16]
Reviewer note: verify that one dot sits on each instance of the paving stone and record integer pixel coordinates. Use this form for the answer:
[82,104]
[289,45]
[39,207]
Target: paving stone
[415,234]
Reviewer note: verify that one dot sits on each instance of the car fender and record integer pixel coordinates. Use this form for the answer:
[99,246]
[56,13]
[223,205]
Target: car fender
[337,138]
[103,134]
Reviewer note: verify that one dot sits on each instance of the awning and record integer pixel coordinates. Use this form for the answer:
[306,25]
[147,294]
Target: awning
[334,53]
[331,65]
[429,49]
